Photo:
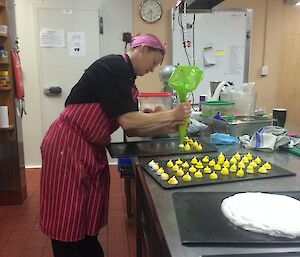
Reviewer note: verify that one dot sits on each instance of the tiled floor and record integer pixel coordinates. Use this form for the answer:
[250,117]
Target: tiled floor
[21,237]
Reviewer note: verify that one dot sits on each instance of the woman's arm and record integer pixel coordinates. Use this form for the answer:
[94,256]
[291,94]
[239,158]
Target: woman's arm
[139,120]
[162,129]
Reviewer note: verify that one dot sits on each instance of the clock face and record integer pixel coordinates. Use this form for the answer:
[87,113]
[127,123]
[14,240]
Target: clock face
[150,11]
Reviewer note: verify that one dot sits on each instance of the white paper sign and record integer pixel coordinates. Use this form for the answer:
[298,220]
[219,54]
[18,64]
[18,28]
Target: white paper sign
[209,57]
[52,38]
[76,44]
[236,59]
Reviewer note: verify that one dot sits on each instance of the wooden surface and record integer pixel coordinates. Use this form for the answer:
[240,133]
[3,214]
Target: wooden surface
[288,92]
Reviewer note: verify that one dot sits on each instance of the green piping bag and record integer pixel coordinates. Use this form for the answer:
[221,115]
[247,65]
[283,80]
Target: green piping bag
[184,80]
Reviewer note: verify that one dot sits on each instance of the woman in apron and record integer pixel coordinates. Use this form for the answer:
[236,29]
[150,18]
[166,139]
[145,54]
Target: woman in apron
[75,171]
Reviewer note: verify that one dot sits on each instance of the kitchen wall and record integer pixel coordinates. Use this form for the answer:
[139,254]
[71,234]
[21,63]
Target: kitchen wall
[288,92]
[275,43]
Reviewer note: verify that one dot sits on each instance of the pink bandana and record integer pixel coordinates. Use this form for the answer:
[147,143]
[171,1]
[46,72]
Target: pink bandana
[147,40]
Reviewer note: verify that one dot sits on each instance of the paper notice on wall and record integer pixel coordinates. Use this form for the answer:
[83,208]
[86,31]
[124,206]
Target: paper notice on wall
[220,53]
[76,44]
[236,55]
[52,38]
[209,57]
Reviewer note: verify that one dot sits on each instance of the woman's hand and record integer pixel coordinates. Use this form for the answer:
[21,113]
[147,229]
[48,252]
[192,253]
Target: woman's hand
[182,111]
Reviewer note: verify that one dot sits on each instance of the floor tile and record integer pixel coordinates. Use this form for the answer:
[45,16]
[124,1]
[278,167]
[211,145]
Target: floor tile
[20,235]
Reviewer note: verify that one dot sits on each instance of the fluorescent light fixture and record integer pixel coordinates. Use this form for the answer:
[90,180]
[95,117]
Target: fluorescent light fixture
[178,2]
[292,2]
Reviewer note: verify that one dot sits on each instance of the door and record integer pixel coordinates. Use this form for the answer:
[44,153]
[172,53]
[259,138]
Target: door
[69,42]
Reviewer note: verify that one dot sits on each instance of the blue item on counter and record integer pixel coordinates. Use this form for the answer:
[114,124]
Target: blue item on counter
[125,167]
[222,139]
[219,117]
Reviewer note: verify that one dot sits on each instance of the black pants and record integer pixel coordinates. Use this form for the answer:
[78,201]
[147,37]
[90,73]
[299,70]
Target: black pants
[87,247]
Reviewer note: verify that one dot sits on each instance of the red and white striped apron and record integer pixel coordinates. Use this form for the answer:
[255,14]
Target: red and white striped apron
[75,174]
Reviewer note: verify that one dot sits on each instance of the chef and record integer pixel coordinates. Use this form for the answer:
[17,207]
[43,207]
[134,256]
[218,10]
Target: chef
[75,172]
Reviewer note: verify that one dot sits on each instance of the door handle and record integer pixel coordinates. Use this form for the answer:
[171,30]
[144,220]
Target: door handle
[53,91]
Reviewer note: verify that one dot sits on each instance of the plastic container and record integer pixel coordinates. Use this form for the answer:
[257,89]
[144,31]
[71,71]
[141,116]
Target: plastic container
[210,108]
[154,102]
[3,54]
[3,29]
[242,125]
[125,167]
[4,78]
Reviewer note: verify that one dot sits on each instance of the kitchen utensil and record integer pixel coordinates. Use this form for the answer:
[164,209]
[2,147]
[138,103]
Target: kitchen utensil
[184,80]
[201,221]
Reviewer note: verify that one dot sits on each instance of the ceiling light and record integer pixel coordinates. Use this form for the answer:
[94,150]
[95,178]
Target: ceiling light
[292,2]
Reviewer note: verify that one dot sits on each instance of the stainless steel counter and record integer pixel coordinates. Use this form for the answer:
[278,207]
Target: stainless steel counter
[161,200]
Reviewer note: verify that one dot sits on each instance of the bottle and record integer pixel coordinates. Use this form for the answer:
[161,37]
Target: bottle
[3,54]
[4,78]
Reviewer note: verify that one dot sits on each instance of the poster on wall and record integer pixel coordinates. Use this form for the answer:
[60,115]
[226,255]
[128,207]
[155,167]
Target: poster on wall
[52,37]
[76,44]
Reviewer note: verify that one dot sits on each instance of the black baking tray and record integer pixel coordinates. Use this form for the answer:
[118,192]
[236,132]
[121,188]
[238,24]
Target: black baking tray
[276,171]
[155,147]
[201,221]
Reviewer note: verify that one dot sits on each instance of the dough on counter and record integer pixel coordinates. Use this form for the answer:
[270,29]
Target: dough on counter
[276,215]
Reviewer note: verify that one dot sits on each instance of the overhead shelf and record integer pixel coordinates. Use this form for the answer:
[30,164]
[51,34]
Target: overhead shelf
[5,88]
[11,127]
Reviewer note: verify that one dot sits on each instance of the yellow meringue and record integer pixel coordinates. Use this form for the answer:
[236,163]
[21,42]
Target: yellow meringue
[217,167]
[257,160]
[267,165]
[224,171]
[194,161]
[262,170]
[178,162]
[185,165]
[187,177]
[226,164]
[250,169]
[241,165]
[170,164]
[199,147]
[205,159]
[187,147]
[233,168]
[164,176]
[213,176]
[180,172]
[192,169]
[212,163]
[240,173]
[207,170]
[160,171]
[173,181]
[199,165]
[198,174]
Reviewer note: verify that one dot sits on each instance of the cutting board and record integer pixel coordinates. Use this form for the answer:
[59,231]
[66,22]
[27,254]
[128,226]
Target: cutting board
[156,147]
[201,221]
[287,254]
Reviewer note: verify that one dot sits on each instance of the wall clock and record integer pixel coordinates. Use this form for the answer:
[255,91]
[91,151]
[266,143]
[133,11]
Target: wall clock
[150,11]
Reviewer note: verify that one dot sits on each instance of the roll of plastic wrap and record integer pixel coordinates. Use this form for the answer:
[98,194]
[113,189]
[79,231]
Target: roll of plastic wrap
[4,123]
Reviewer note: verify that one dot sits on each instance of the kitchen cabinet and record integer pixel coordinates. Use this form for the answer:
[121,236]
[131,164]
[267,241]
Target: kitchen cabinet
[157,228]
[12,170]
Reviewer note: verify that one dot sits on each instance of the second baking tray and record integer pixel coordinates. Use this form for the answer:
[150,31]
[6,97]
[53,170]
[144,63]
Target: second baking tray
[156,147]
